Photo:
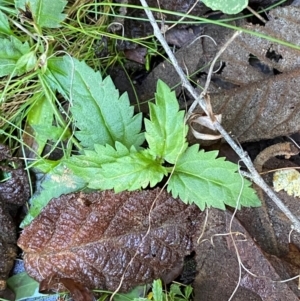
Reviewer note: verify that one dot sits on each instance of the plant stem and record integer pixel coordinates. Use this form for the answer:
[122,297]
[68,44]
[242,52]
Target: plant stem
[204,105]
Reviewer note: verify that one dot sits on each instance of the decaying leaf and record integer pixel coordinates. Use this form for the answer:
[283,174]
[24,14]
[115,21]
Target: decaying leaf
[261,110]
[8,249]
[218,275]
[14,191]
[14,187]
[241,69]
[97,238]
[287,180]
[263,105]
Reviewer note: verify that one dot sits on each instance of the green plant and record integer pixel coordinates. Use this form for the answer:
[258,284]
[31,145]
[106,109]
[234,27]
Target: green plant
[174,294]
[110,139]
[113,152]
[227,6]
[25,287]
[112,155]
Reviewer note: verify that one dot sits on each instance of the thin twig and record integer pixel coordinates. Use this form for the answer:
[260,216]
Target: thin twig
[202,102]
[257,15]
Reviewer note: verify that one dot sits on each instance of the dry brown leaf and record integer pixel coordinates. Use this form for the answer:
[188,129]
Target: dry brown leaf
[92,238]
[283,24]
[294,255]
[264,106]
[14,191]
[261,110]
[219,270]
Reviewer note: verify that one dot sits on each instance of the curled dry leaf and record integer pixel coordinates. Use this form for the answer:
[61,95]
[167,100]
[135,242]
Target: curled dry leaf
[15,189]
[206,123]
[97,238]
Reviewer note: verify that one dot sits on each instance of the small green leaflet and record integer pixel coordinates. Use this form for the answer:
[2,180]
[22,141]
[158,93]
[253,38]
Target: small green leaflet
[132,172]
[202,179]
[24,287]
[176,292]
[45,13]
[102,116]
[103,154]
[27,62]
[157,290]
[11,50]
[4,25]
[166,130]
[40,115]
[227,6]
[51,132]
[133,294]
[61,180]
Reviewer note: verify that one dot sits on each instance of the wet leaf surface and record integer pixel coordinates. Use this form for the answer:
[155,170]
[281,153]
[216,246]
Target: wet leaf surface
[97,238]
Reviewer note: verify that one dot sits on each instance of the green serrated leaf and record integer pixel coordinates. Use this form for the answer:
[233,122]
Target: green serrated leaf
[134,171]
[188,290]
[72,174]
[227,6]
[24,287]
[61,180]
[45,13]
[202,179]
[101,115]
[4,25]
[157,290]
[11,50]
[166,130]
[175,290]
[105,154]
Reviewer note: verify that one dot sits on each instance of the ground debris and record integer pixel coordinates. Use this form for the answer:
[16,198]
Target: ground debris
[218,265]
[14,191]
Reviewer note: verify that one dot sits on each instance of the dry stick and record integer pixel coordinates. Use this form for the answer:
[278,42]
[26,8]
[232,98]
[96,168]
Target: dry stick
[257,15]
[202,102]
